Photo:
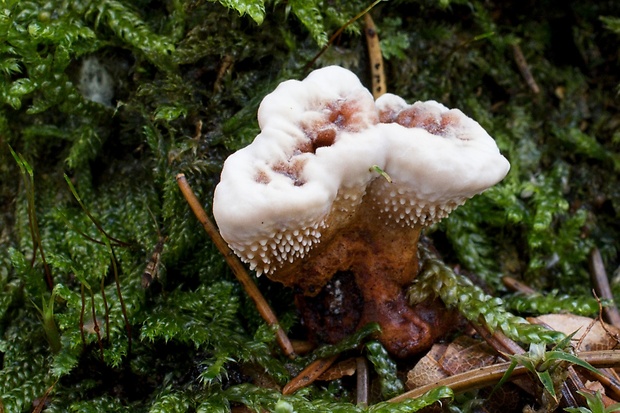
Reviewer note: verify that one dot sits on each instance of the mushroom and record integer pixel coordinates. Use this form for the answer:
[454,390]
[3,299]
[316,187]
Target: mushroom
[332,195]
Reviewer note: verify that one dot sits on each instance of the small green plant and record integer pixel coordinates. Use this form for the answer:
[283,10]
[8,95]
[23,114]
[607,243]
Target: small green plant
[49,325]
[550,367]
[595,404]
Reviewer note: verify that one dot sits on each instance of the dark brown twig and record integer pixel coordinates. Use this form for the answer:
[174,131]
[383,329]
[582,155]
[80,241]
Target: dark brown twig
[120,298]
[524,68]
[348,367]
[28,176]
[570,388]
[236,266]
[96,328]
[505,348]
[470,380]
[225,68]
[498,340]
[600,281]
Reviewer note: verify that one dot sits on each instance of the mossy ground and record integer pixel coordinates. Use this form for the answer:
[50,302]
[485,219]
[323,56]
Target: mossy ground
[119,96]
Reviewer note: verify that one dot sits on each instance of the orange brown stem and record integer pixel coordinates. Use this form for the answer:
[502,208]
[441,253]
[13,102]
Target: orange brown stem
[358,275]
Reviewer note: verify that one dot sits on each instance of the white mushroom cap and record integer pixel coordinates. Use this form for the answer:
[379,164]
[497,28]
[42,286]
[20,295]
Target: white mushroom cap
[438,158]
[316,141]
[310,167]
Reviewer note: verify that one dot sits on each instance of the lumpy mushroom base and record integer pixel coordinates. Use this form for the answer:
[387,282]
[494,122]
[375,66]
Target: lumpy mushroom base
[358,275]
[339,310]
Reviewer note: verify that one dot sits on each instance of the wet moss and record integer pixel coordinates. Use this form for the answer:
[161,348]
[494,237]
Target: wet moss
[120,96]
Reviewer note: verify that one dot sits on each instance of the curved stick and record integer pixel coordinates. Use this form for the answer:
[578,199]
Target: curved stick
[236,266]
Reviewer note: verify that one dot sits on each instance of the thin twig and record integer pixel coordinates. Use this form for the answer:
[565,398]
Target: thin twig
[602,323]
[375,57]
[107,240]
[338,33]
[570,389]
[309,374]
[505,347]
[518,286]
[236,266]
[28,175]
[524,68]
[489,375]
[362,382]
[600,281]
[90,216]
[82,312]
[96,323]
[120,297]
[106,308]
[344,368]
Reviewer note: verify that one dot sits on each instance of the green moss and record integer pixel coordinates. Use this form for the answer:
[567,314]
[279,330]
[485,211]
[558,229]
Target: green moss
[553,302]
[122,95]
[386,369]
